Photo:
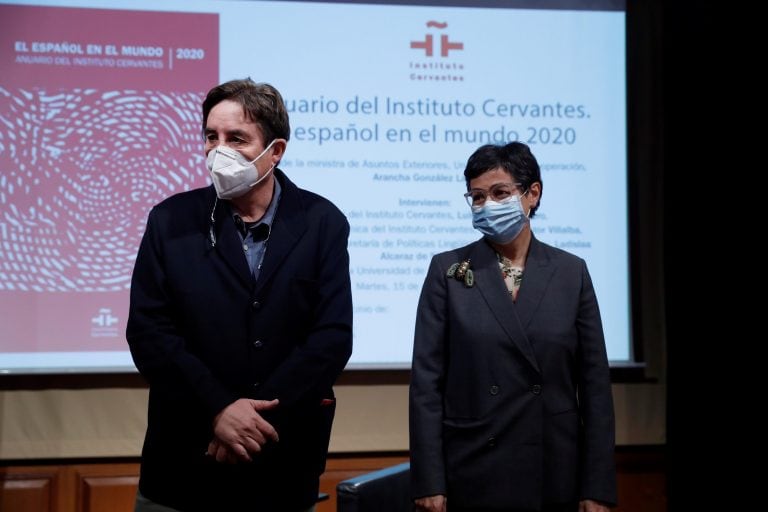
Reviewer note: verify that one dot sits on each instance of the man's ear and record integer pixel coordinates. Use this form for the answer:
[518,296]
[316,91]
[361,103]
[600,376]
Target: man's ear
[278,150]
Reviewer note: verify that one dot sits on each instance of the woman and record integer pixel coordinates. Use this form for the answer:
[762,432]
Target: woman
[510,397]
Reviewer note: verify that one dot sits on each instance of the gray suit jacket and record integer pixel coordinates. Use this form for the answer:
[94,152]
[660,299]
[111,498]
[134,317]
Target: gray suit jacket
[510,402]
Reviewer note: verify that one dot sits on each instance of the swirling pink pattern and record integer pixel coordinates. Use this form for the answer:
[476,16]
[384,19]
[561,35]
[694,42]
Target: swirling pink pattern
[79,171]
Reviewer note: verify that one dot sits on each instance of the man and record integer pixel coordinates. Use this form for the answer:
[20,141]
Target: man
[241,321]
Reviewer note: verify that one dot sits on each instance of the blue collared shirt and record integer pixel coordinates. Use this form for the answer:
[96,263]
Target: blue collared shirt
[256,235]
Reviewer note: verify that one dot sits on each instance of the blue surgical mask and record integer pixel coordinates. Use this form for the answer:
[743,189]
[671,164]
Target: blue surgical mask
[500,222]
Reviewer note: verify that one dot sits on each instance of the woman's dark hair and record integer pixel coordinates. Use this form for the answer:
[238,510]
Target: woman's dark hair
[261,103]
[514,158]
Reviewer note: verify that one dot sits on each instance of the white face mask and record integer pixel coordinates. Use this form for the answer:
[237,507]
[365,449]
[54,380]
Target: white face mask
[232,174]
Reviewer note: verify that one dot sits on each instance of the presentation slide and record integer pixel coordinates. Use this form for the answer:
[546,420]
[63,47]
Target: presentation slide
[100,120]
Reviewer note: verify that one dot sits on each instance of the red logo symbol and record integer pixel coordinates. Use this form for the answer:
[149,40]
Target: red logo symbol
[428,45]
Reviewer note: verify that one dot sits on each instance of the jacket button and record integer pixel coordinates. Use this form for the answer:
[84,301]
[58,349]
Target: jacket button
[257,344]
[256,384]
[536,389]
[494,390]
[256,304]
[491,441]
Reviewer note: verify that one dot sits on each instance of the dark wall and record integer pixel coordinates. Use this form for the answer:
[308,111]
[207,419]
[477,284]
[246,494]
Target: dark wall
[699,254]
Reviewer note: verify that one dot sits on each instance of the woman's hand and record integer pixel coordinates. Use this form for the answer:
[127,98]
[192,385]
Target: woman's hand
[592,506]
[431,503]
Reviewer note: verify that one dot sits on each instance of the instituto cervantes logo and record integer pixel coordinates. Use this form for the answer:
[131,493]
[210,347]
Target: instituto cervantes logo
[438,57]
[104,324]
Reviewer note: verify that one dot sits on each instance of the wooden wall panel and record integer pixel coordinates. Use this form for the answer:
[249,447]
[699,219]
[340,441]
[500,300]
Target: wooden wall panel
[642,480]
[111,487]
[29,489]
[105,488]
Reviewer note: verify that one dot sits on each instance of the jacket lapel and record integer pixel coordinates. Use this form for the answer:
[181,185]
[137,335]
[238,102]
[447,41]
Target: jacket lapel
[289,224]
[288,227]
[536,277]
[229,245]
[488,280]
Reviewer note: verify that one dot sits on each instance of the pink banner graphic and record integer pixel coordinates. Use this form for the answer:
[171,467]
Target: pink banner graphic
[96,126]
[108,49]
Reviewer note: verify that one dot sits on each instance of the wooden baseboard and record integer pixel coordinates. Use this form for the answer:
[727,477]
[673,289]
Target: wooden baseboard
[110,485]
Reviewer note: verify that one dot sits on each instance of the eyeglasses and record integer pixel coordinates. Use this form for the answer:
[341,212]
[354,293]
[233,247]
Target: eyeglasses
[497,192]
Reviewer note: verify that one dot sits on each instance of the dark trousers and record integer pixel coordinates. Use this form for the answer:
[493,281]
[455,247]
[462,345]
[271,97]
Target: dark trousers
[566,507]
[146,505]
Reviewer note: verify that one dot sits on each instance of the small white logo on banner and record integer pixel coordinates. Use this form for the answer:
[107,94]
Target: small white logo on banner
[104,324]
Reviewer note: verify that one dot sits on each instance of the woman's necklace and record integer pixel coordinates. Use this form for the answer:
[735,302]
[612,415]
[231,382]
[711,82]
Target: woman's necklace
[513,275]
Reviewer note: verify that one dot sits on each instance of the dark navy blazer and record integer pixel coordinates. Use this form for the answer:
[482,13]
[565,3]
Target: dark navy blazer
[510,403]
[204,333]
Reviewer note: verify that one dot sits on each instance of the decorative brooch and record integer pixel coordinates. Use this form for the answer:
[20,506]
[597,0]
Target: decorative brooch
[462,272]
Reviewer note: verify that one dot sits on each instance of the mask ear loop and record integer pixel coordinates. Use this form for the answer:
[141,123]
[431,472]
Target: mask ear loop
[261,178]
[211,232]
[528,215]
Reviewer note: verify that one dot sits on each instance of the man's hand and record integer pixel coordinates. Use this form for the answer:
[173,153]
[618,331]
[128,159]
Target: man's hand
[592,506]
[220,452]
[239,430]
[431,503]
